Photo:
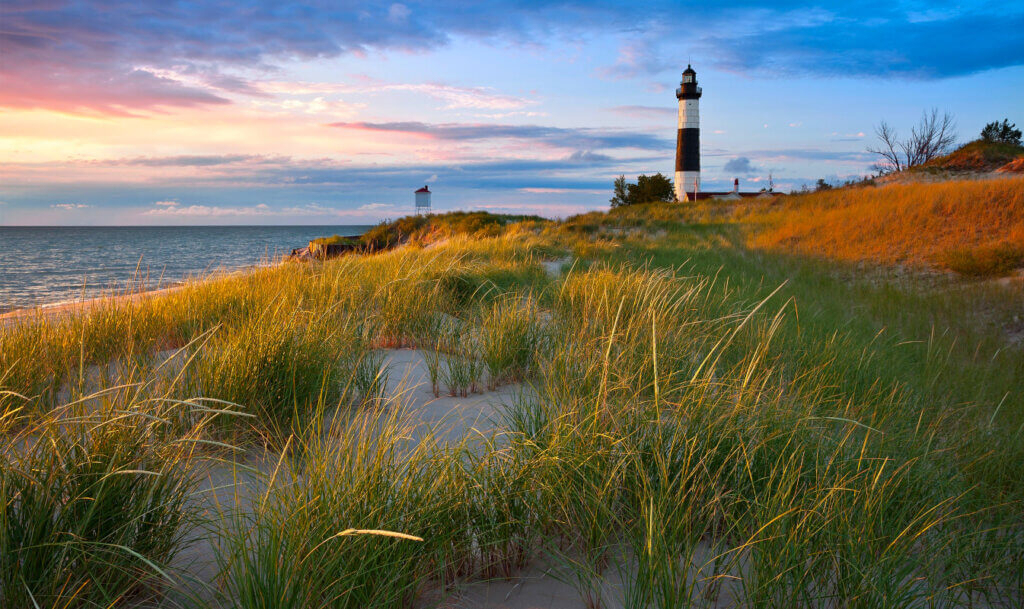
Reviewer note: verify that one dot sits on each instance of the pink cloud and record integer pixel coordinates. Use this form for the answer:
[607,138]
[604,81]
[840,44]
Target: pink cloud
[78,90]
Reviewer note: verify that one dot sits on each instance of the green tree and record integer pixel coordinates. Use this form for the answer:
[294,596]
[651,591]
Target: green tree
[1005,132]
[620,192]
[648,189]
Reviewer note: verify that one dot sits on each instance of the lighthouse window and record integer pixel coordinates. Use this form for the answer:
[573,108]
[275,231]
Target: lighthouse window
[687,78]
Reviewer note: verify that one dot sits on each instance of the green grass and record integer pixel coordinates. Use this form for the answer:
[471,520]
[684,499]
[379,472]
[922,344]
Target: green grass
[699,420]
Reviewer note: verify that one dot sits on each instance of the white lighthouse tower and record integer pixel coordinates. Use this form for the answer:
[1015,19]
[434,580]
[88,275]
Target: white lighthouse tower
[688,138]
[423,201]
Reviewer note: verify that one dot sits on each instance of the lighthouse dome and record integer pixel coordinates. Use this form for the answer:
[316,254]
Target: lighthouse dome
[688,88]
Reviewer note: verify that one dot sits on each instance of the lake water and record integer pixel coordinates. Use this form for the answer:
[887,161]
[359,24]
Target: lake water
[45,265]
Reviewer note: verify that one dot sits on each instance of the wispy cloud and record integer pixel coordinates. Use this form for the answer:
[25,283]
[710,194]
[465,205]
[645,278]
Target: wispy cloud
[375,206]
[580,138]
[192,160]
[453,96]
[809,154]
[650,112]
[70,206]
[847,137]
[260,210]
[210,211]
[559,191]
[638,58]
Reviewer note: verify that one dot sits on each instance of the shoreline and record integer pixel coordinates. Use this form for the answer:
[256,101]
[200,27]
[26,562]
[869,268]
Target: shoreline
[68,306]
[12,311]
[64,307]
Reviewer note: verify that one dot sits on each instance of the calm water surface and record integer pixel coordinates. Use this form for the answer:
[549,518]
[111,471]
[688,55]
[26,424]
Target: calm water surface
[45,265]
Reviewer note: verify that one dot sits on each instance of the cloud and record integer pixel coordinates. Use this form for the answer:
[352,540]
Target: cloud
[320,105]
[740,165]
[207,211]
[70,206]
[455,97]
[166,203]
[637,58]
[892,43]
[210,211]
[651,112]
[808,154]
[123,57]
[556,136]
[398,12]
[93,90]
[588,156]
[847,137]
[261,210]
[190,160]
[590,191]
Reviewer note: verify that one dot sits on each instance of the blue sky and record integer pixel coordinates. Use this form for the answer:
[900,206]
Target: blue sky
[334,112]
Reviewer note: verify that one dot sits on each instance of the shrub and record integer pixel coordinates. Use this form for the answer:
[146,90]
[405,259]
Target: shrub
[985,261]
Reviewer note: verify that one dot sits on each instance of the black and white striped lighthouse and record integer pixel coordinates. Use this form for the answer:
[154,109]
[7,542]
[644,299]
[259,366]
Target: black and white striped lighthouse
[688,139]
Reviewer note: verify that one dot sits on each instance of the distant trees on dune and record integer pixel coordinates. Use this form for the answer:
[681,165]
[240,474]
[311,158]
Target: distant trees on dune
[1003,133]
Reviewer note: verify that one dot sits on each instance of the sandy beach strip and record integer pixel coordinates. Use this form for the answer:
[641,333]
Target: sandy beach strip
[74,307]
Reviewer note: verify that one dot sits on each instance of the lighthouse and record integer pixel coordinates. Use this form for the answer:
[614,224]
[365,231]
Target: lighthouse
[688,138]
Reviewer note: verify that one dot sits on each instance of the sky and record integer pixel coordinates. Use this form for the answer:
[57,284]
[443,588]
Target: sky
[334,112]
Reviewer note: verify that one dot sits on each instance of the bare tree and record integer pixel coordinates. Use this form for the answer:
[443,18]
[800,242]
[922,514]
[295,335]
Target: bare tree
[933,136]
[889,149]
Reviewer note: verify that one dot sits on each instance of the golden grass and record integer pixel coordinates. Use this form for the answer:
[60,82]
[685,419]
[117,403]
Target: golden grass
[921,224]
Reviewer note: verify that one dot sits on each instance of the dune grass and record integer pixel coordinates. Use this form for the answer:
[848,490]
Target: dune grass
[699,424]
[920,224]
[96,500]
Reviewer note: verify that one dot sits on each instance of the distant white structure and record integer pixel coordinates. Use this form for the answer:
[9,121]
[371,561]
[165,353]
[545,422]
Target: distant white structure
[423,201]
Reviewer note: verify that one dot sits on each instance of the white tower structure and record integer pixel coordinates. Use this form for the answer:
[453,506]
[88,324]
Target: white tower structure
[423,201]
[688,138]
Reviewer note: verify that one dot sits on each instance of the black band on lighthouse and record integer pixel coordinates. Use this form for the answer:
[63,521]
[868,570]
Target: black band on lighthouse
[688,150]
